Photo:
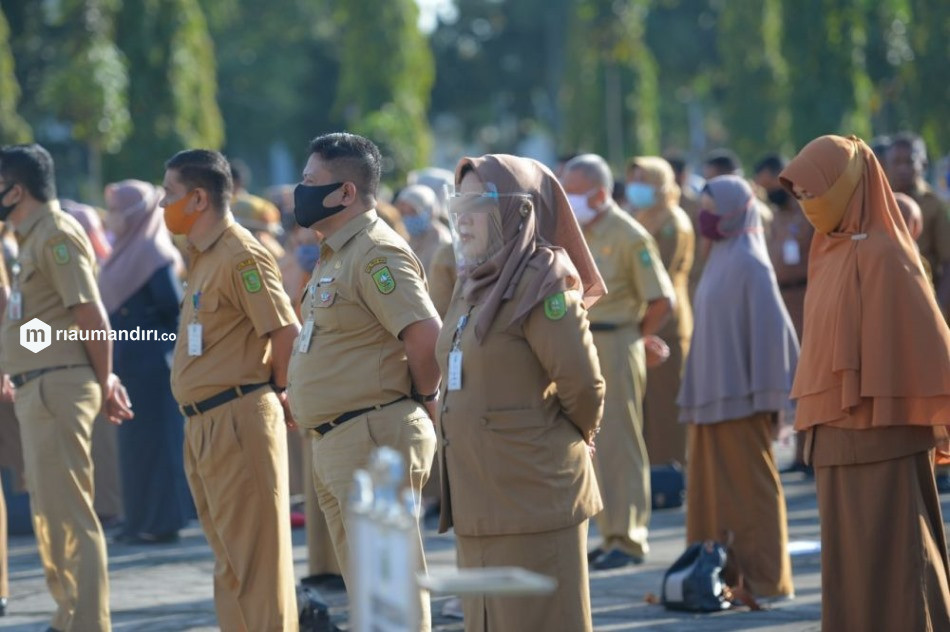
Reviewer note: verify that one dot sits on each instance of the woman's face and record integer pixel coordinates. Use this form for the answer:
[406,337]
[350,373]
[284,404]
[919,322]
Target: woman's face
[473,226]
[406,209]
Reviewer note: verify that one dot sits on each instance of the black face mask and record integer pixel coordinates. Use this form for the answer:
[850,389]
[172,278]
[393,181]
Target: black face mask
[6,209]
[778,197]
[308,203]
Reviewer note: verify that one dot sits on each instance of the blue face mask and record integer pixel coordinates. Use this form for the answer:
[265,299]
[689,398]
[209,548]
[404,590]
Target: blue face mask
[641,195]
[416,225]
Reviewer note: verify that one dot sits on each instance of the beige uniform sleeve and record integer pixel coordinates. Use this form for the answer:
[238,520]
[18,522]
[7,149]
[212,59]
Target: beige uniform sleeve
[69,265]
[442,278]
[260,293]
[558,333]
[648,275]
[392,285]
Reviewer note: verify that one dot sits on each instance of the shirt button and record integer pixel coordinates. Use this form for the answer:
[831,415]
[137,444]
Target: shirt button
[484,421]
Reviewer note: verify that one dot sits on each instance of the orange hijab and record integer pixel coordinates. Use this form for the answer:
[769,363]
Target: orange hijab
[876,351]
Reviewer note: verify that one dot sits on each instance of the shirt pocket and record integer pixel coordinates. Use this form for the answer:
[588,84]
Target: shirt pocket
[322,307]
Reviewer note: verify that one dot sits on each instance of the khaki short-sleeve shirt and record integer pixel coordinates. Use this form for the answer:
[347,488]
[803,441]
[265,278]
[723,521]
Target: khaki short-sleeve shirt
[630,265]
[56,271]
[367,287]
[234,292]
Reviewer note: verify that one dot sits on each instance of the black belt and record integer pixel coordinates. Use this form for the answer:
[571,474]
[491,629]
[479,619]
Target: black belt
[22,378]
[322,429]
[603,326]
[199,408]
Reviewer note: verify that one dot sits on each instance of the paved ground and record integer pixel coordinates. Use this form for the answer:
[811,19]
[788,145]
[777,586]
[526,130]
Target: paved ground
[168,587]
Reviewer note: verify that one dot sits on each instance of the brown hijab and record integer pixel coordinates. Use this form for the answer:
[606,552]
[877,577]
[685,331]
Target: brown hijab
[876,351]
[546,238]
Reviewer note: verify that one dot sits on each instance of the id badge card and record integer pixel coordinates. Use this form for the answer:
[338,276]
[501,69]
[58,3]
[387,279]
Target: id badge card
[306,333]
[194,339]
[791,253]
[15,306]
[454,382]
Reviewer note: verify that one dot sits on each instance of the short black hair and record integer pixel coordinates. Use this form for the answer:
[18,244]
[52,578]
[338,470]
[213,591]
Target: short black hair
[773,163]
[350,158]
[913,142]
[240,172]
[31,167]
[677,162]
[724,160]
[204,169]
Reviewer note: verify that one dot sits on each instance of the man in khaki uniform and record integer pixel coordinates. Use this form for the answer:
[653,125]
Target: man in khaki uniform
[625,322]
[236,331]
[61,384]
[906,161]
[363,373]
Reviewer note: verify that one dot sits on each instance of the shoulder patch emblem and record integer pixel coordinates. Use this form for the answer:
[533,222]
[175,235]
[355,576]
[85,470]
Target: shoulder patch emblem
[378,261]
[384,280]
[555,307]
[252,280]
[61,253]
[247,263]
[645,258]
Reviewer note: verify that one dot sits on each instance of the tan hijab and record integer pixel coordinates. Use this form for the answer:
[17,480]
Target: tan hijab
[659,173]
[545,237]
[876,351]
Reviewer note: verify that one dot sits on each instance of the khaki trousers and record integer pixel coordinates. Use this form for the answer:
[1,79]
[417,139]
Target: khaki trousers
[105,459]
[621,462]
[404,426]
[321,557]
[236,462]
[56,413]
[561,554]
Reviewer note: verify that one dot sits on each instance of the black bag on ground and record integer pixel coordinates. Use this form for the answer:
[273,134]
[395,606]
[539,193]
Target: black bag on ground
[314,611]
[693,582]
[667,486]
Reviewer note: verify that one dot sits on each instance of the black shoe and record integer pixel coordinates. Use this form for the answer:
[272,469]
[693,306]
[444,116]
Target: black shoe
[329,581]
[3,606]
[615,558]
[593,554]
[146,538]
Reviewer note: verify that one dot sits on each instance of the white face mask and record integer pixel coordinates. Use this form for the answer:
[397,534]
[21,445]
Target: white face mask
[582,210]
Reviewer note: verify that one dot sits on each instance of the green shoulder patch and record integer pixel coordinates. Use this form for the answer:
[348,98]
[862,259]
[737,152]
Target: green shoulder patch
[555,306]
[61,253]
[378,261]
[384,280]
[645,258]
[252,280]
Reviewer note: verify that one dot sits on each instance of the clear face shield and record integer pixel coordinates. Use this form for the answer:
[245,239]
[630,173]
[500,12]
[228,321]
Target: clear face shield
[475,220]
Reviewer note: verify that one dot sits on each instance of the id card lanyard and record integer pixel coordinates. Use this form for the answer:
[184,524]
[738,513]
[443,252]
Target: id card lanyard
[454,380]
[306,331]
[194,327]
[15,304]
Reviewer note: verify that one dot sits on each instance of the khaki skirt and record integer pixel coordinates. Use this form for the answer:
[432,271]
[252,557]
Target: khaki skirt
[561,554]
[883,549]
[733,486]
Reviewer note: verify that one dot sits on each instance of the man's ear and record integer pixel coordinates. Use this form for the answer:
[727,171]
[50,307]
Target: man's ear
[202,199]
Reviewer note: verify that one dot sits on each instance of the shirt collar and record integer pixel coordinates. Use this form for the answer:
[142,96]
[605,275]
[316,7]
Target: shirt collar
[337,240]
[602,224]
[214,234]
[34,218]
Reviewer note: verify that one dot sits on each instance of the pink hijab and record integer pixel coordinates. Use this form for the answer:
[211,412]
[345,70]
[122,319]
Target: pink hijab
[143,247]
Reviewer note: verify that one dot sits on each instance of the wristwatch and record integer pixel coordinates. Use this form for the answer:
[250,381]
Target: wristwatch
[425,399]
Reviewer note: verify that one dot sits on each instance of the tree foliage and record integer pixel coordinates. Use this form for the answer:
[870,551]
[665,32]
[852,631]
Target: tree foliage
[13,128]
[172,92]
[386,75]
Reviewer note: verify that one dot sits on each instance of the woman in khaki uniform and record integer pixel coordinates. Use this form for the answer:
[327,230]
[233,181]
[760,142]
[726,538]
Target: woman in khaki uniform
[522,391]
[873,390]
[737,379]
[652,190]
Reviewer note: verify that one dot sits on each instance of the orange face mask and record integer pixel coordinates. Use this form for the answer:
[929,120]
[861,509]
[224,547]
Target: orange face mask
[176,219]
